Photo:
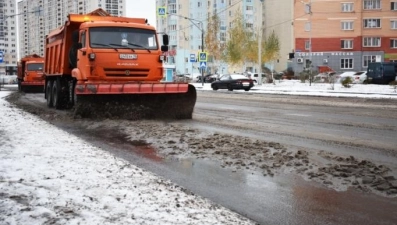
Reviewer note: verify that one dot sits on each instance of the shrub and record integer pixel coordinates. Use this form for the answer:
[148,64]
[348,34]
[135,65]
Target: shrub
[347,82]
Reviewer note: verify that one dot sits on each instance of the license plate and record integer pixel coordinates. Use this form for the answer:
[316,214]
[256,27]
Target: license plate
[246,84]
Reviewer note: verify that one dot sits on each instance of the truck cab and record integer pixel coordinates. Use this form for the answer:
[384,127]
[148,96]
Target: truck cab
[30,73]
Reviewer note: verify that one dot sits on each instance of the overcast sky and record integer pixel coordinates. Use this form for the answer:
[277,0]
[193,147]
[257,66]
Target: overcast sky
[146,9]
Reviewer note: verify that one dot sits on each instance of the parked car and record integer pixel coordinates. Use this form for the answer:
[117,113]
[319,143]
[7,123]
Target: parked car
[232,82]
[209,78]
[343,76]
[255,77]
[382,72]
[360,77]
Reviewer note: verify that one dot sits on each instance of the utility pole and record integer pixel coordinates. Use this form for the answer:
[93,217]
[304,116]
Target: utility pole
[260,45]
[308,10]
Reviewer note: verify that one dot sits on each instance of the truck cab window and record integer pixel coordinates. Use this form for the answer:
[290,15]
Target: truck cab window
[122,37]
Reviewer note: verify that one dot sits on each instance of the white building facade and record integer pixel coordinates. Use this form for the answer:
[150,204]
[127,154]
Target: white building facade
[8,37]
[185,17]
[38,17]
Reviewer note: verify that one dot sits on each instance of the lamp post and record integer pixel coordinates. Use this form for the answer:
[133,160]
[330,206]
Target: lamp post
[308,10]
[201,28]
[260,45]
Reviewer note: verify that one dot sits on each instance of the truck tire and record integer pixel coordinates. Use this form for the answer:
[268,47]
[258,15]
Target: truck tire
[56,94]
[48,93]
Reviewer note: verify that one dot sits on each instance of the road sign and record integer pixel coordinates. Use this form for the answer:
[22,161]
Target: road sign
[192,57]
[161,11]
[1,57]
[202,57]
[203,65]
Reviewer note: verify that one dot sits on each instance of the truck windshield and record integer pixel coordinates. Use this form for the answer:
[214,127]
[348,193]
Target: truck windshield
[122,37]
[34,67]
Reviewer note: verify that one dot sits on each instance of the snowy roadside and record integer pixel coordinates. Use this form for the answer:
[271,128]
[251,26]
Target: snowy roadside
[48,176]
[296,87]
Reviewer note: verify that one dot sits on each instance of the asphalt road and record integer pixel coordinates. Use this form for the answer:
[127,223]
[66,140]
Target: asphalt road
[340,125]
[343,126]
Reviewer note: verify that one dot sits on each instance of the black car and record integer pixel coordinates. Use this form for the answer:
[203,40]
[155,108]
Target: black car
[233,82]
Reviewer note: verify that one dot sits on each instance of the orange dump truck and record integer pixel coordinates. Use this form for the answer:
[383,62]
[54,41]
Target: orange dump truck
[30,74]
[106,66]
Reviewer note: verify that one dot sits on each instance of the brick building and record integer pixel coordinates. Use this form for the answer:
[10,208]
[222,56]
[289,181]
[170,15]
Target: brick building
[345,34]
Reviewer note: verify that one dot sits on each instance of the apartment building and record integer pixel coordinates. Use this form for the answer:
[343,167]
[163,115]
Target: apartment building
[278,17]
[187,21]
[344,34]
[38,17]
[8,38]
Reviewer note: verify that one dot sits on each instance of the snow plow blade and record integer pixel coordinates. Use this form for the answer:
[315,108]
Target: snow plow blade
[135,101]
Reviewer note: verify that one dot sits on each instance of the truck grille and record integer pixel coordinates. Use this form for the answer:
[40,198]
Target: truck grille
[142,73]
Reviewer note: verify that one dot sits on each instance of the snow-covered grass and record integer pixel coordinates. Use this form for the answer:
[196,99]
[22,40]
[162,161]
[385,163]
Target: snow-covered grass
[296,87]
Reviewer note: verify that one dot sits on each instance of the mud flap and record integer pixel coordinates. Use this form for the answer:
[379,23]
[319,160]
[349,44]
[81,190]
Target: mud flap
[136,106]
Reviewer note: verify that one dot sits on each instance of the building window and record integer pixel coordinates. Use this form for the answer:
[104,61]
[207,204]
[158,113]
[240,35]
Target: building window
[393,24]
[249,8]
[199,4]
[346,63]
[371,42]
[393,43]
[368,59]
[372,4]
[347,7]
[223,36]
[307,26]
[393,6]
[346,44]
[347,25]
[307,45]
[371,23]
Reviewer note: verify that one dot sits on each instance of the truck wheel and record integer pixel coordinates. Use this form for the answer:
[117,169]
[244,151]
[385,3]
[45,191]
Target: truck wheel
[56,94]
[48,93]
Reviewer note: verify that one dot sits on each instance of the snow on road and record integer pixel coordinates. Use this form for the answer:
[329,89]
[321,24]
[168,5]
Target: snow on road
[48,176]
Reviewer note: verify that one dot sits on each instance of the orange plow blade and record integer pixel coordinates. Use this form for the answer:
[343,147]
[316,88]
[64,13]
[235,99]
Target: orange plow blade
[131,88]
[135,101]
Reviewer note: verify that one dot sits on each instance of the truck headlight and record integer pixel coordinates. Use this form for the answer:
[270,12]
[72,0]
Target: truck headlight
[91,56]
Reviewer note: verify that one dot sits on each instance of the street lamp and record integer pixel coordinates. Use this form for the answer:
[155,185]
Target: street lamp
[201,28]
[308,10]
[260,45]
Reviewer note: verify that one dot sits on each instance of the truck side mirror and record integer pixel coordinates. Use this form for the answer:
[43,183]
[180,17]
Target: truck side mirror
[164,48]
[165,39]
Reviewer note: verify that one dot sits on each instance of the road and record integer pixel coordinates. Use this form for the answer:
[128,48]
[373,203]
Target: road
[274,159]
